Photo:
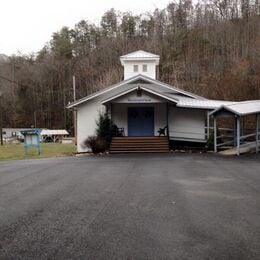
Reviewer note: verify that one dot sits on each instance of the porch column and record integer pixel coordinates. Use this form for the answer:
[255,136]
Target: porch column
[109,110]
[208,128]
[238,135]
[257,134]
[167,119]
[215,134]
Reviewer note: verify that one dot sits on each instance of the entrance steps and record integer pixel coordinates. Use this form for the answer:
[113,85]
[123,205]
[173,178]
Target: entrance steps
[142,144]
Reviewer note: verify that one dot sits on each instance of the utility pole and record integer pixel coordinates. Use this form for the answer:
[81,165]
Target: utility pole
[74,111]
[35,118]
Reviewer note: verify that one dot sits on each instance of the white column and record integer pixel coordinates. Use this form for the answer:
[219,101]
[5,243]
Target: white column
[257,135]
[208,125]
[238,135]
[215,134]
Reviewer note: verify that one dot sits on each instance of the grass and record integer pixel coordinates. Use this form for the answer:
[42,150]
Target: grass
[16,151]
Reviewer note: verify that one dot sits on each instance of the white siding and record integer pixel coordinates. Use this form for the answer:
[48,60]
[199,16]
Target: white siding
[186,123]
[87,115]
[129,69]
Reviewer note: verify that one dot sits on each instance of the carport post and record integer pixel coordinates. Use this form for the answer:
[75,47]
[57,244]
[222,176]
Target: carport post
[257,134]
[238,135]
[215,134]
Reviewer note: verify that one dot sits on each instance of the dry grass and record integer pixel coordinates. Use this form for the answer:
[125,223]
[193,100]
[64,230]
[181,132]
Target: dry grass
[16,151]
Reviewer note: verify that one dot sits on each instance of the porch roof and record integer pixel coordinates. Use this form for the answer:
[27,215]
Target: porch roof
[202,104]
[243,108]
[150,88]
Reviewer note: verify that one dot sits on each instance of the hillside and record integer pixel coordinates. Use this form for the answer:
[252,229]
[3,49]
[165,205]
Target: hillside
[212,50]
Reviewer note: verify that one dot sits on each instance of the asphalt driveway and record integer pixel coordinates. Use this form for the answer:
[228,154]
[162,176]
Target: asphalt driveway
[131,207]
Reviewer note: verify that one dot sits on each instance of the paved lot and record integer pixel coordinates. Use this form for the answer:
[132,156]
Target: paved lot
[131,207]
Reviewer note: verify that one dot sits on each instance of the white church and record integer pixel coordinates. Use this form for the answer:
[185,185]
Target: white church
[140,105]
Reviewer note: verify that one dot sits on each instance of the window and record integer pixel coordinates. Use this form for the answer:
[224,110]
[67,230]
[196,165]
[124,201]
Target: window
[144,67]
[135,68]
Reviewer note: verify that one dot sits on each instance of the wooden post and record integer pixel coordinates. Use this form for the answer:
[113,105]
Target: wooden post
[257,135]
[215,134]
[238,135]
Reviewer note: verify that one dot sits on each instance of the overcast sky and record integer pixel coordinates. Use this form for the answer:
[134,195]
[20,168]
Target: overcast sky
[26,25]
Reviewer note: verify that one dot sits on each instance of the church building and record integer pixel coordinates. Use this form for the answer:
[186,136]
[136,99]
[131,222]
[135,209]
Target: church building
[141,105]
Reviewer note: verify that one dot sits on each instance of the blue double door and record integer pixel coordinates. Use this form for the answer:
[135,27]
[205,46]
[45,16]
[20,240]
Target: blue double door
[140,121]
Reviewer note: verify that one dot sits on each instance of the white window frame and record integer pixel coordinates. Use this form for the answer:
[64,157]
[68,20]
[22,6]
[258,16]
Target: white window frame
[136,68]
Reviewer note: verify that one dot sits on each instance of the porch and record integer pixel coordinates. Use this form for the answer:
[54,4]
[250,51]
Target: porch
[148,120]
[165,119]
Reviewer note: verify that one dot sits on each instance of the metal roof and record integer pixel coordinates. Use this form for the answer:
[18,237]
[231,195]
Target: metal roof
[146,87]
[203,104]
[140,55]
[179,99]
[241,108]
[125,85]
[166,92]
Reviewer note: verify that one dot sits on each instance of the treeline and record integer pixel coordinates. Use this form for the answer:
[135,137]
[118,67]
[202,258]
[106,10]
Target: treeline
[211,48]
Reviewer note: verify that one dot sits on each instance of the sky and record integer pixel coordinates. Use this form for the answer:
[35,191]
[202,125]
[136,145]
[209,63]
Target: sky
[26,25]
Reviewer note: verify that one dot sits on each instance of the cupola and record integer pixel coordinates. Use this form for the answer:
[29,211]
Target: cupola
[140,62]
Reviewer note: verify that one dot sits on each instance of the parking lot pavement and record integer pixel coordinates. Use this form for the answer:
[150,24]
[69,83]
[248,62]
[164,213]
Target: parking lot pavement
[173,206]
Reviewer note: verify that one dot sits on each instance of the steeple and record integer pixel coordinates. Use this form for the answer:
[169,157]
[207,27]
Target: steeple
[140,62]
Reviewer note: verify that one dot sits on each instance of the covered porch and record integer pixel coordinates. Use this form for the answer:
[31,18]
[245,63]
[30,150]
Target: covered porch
[243,137]
[139,112]
[142,112]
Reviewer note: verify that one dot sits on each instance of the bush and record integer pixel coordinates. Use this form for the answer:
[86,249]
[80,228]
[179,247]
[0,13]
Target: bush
[96,144]
[101,142]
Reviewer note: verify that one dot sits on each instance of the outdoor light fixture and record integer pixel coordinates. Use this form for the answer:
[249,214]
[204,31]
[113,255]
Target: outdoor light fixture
[139,92]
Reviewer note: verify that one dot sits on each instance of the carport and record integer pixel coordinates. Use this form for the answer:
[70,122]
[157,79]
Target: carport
[238,137]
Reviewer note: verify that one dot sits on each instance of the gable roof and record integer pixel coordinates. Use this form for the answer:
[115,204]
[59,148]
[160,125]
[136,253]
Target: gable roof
[144,87]
[140,56]
[241,108]
[156,85]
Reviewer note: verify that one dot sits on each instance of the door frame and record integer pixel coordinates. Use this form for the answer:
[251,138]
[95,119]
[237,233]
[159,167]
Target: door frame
[141,107]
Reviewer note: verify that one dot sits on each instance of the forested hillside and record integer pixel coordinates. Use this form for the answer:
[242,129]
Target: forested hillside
[211,48]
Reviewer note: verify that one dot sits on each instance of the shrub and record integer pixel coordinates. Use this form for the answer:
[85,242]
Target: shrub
[104,128]
[96,144]
[100,143]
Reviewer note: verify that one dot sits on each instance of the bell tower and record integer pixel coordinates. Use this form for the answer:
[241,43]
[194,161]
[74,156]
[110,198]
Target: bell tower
[140,62]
